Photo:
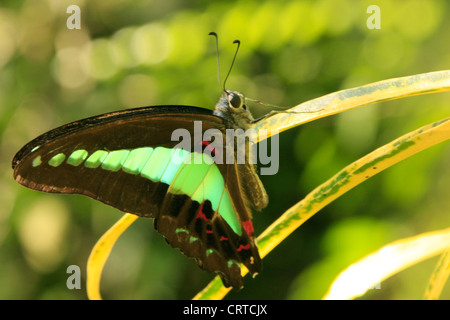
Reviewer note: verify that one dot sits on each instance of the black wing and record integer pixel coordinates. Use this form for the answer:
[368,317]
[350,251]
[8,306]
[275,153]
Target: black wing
[195,228]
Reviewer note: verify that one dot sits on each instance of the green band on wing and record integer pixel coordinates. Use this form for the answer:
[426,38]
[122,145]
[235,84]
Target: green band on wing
[115,159]
[226,210]
[156,164]
[178,230]
[190,176]
[77,157]
[176,160]
[96,159]
[214,181]
[136,160]
[193,174]
[230,263]
[202,181]
[36,161]
[55,161]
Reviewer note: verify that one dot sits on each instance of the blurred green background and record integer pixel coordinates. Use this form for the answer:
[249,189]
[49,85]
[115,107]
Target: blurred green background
[136,53]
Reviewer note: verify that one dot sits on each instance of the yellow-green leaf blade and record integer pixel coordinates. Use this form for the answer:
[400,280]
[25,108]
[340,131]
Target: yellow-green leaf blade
[439,277]
[100,254]
[344,100]
[393,258]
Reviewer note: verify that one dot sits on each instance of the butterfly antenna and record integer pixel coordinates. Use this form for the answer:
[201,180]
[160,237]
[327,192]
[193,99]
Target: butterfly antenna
[272,106]
[218,60]
[279,109]
[232,63]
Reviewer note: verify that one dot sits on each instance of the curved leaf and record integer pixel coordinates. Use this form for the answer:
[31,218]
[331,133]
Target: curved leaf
[395,257]
[100,254]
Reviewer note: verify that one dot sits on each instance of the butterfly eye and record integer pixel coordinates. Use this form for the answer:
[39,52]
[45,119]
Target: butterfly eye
[235,100]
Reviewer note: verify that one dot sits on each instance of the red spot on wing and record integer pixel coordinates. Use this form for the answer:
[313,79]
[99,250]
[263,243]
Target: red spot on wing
[201,214]
[222,238]
[206,143]
[242,247]
[248,227]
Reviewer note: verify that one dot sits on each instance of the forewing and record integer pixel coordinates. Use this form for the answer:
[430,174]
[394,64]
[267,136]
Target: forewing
[74,158]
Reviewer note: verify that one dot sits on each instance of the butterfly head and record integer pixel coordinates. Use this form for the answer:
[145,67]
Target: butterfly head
[233,109]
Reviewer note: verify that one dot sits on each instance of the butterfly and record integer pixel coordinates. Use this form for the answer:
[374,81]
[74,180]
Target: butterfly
[128,160]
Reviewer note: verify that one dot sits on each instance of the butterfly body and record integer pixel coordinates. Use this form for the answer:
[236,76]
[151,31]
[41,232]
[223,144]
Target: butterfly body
[129,160]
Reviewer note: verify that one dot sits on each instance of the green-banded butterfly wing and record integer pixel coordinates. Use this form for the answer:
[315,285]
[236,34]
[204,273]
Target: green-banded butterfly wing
[227,235]
[126,159]
[84,156]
